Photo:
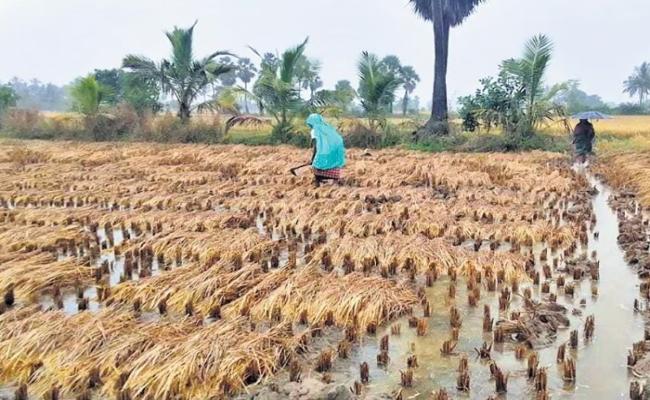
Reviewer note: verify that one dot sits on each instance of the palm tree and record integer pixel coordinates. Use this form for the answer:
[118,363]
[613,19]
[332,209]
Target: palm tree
[307,74]
[344,94]
[182,76]
[277,92]
[87,96]
[444,14]
[530,70]
[246,71]
[410,80]
[377,88]
[638,84]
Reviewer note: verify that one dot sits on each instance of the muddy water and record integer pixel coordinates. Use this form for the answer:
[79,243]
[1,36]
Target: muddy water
[601,362]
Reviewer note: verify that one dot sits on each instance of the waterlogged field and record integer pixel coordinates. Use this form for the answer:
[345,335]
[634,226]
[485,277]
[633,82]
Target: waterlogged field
[145,271]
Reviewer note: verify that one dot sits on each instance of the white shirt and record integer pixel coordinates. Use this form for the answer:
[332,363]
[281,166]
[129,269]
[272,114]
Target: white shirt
[313,134]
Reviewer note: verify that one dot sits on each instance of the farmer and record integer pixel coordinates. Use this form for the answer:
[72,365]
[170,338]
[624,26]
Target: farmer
[328,158]
[583,139]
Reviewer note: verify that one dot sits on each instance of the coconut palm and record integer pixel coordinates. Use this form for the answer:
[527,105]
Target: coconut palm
[410,80]
[530,70]
[638,84]
[277,92]
[377,88]
[182,76]
[444,14]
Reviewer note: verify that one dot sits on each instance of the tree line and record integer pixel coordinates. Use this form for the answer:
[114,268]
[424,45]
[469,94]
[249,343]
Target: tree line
[287,85]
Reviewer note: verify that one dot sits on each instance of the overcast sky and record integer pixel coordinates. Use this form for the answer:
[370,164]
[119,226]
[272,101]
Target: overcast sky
[596,41]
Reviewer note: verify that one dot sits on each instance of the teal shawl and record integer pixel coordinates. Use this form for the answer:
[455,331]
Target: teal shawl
[330,151]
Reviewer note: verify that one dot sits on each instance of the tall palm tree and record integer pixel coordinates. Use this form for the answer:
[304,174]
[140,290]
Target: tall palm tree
[182,76]
[444,14]
[246,71]
[392,64]
[638,84]
[410,80]
[377,88]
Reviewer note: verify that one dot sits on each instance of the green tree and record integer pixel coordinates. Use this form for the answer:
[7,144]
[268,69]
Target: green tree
[344,94]
[410,80]
[577,100]
[530,69]
[638,84]
[517,100]
[498,102]
[277,92]
[8,98]
[377,87]
[228,79]
[444,14]
[307,73]
[87,95]
[182,76]
[111,82]
[246,71]
[141,92]
[392,65]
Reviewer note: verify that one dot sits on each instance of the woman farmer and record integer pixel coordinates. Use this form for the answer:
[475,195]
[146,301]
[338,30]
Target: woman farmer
[583,138]
[328,158]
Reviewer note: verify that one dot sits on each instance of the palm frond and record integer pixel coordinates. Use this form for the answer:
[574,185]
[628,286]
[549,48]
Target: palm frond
[289,60]
[424,8]
[182,43]
[246,120]
[257,53]
[140,64]
[455,11]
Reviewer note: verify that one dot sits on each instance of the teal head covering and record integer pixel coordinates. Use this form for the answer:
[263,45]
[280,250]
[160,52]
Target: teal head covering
[330,151]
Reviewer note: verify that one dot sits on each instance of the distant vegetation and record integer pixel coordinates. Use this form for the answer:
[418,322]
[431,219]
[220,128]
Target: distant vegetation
[223,97]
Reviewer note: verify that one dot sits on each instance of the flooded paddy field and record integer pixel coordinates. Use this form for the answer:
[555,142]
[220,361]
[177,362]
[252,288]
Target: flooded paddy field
[139,271]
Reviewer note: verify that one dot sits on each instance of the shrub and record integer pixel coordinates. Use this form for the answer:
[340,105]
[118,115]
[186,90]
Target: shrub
[24,124]
[492,143]
[160,128]
[356,134]
[64,126]
[169,128]
[202,130]
[119,123]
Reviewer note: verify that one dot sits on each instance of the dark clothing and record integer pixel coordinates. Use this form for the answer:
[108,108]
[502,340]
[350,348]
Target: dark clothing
[583,137]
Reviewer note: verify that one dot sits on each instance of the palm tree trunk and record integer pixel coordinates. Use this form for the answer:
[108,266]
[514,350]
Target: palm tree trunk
[184,112]
[246,98]
[405,103]
[437,124]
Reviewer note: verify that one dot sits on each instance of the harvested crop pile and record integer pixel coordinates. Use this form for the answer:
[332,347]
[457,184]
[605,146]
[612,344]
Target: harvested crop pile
[628,172]
[156,272]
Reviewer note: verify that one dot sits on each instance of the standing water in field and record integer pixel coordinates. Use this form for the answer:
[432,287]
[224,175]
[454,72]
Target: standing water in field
[601,369]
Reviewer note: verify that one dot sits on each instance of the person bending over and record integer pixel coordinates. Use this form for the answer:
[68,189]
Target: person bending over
[328,157]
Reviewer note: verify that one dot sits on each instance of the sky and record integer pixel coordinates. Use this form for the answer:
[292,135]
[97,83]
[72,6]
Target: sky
[596,41]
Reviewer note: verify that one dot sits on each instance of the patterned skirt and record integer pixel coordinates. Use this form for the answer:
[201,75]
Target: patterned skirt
[334,173]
